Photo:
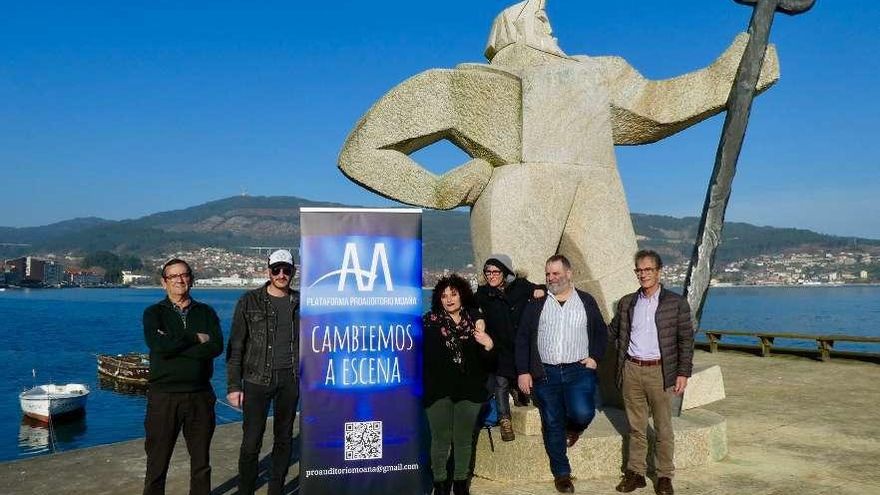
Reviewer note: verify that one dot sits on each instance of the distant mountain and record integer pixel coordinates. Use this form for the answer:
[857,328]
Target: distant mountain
[674,238]
[240,221]
[229,223]
[29,234]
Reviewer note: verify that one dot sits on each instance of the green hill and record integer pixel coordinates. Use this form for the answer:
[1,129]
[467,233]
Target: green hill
[240,221]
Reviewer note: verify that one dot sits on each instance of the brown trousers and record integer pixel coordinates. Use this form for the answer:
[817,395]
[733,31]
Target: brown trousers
[644,395]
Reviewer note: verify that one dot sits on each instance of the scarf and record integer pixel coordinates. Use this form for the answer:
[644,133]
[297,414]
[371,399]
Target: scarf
[454,333]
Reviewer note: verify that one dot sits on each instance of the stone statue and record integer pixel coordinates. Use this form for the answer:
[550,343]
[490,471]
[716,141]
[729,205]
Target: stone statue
[540,127]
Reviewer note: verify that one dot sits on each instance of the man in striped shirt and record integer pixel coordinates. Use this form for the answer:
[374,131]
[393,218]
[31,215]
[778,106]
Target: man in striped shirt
[559,343]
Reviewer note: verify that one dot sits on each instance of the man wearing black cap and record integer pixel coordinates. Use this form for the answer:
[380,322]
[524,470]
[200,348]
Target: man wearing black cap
[502,300]
[261,367]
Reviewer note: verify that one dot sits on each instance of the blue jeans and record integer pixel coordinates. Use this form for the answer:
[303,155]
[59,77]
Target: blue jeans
[565,400]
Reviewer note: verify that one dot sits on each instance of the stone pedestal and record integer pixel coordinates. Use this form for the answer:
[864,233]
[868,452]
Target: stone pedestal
[700,438]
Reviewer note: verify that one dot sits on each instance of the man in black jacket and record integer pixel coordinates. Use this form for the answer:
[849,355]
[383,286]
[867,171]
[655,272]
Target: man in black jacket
[654,336]
[559,343]
[184,338]
[261,368]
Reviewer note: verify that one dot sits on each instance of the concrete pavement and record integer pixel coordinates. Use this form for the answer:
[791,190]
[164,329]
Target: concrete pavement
[794,426]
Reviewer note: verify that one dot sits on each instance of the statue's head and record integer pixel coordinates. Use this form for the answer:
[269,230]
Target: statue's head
[524,23]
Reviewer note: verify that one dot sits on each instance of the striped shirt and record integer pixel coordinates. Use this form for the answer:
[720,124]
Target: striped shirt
[562,331]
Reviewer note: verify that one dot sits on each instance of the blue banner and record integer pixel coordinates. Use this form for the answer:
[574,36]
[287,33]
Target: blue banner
[360,351]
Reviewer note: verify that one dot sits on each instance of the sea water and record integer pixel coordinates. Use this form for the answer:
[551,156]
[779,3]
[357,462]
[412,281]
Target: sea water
[55,334]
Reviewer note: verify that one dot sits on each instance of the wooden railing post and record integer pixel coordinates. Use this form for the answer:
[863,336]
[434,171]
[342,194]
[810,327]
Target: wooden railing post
[825,345]
[713,341]
[766,343]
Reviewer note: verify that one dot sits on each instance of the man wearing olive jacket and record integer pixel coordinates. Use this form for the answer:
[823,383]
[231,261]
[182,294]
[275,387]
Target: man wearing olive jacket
[654,336]
[261,369]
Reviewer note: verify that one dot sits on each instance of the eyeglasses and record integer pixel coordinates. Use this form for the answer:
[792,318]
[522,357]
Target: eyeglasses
[287,270]
[178,276]
[491,272]
[639,271]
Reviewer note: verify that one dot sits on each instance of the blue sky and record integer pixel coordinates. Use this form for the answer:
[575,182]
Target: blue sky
[122,109]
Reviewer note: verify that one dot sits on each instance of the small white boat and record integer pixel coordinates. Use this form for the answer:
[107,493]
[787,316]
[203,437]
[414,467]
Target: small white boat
[44,401]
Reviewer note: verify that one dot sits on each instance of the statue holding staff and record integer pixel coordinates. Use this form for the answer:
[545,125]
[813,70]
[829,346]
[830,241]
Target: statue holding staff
[540,128]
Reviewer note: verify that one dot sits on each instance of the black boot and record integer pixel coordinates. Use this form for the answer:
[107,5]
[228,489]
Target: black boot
[519,399]
[461,487]
[441,487]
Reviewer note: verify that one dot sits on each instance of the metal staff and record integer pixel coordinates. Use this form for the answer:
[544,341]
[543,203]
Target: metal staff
[739,105]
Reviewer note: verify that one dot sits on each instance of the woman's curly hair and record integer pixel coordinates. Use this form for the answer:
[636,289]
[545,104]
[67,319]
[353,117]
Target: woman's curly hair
[456,283]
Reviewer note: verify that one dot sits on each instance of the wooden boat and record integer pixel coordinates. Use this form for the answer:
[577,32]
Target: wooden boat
[46,401]
[111,384]
[133,368]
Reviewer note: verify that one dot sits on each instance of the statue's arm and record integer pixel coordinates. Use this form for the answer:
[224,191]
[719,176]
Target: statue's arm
[413,115]
[644,111]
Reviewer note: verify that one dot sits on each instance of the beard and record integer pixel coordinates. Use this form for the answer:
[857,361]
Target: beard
[557,287]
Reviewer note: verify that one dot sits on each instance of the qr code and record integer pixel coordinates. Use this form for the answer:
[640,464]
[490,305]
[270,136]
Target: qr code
[363,440]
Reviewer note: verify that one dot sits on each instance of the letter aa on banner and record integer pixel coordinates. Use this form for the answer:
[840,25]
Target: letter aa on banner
[360,351]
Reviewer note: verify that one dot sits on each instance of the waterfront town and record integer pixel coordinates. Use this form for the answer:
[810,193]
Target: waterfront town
[216,267]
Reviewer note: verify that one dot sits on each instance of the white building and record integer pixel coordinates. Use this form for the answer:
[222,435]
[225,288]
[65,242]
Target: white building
[233,281]
[130,278]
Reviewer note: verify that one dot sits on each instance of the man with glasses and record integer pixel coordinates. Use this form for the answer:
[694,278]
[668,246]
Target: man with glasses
[184,338]
[261,369]
[654,336]
[560,341]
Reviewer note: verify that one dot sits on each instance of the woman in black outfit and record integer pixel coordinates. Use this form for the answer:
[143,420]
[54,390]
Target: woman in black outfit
[502,300]
[457,360]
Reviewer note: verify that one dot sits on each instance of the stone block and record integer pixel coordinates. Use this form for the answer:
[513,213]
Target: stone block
[526,420]
[706,385]
[700,438]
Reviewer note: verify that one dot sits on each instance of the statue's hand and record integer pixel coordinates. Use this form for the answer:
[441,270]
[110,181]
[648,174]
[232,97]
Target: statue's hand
[463,185]
[770,69]
[728,63]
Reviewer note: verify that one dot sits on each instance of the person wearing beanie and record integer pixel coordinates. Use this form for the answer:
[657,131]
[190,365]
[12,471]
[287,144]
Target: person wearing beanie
[502,300]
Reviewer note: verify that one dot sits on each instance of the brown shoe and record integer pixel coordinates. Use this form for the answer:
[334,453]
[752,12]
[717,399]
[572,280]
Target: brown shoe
[664,486]
[506,426]
[571,437]
[563,484]
[630,481]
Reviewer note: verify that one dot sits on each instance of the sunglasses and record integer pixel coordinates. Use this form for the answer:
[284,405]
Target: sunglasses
[287,270]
